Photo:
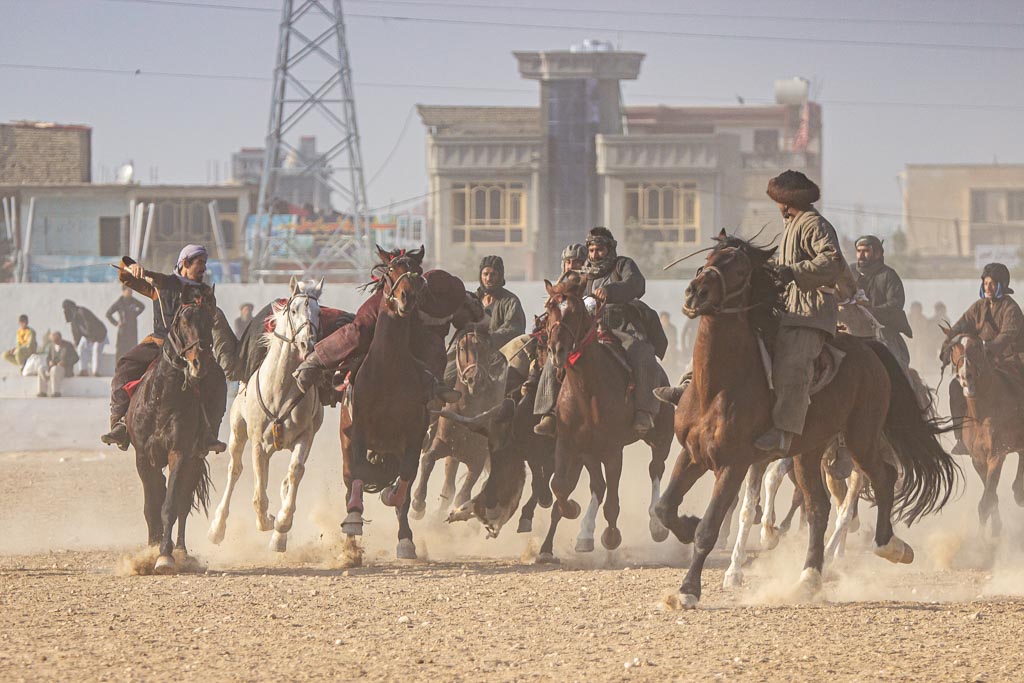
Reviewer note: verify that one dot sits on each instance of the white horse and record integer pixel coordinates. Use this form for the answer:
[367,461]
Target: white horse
[270,411]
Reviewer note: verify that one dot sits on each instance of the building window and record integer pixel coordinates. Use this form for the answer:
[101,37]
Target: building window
[978,214]
[663,212]
[766,142]
[1015,205]
[491,212]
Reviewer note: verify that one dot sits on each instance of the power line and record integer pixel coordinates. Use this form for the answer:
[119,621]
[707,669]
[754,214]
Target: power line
[139,72]
[849,42]
[192,4]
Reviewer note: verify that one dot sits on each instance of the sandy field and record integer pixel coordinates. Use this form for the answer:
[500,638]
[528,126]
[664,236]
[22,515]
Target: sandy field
[73,605]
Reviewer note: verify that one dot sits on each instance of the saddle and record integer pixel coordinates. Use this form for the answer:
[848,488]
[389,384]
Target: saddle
[826,365]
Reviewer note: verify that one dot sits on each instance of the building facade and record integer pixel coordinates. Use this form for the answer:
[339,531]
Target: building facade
[522,182]
[966,211]
[37,152]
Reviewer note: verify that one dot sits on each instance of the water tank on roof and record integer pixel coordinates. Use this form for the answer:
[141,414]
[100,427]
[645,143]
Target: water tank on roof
[592,45]
[792,91]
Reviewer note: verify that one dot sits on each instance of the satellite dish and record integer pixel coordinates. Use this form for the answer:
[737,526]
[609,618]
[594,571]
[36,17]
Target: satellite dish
[125,174]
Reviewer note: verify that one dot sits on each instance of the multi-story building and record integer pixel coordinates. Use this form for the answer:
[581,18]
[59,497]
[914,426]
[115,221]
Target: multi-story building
[37,152]
[967,211]
[522,182]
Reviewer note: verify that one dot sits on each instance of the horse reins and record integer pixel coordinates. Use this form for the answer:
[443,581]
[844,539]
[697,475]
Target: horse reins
[291,328]
[727,296]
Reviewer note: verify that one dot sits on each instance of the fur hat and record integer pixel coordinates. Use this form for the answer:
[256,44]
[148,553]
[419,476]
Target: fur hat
[793,188]
[1000,274]
[443,294]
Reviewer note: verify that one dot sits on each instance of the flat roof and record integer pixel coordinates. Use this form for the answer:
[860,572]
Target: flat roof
[47,125]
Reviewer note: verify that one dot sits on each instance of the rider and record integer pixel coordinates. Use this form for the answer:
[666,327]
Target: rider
[810,265]
[998,322]
[886,298]
[618,282]
[166,292]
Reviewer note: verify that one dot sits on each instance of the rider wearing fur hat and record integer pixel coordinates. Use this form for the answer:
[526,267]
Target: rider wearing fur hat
[997,320]
[166,292]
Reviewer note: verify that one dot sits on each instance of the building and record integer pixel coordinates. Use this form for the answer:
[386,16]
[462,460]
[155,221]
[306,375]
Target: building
[301,183]
[77,230]
[37,152]
[965,211]
[522,182]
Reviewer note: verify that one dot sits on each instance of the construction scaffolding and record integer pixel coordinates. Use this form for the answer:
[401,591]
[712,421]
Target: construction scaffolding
[305,94]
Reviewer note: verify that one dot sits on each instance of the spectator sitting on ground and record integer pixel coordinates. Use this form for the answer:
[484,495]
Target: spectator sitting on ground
[60,363]
[25,343]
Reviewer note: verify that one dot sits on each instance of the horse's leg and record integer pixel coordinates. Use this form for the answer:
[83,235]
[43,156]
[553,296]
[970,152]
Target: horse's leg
[585,538]
[568,467]
[290,491]
[474,468]
[839,490]
[526,515]
[353,463]
[169,513]
[192,471]
[773,477]
[154,491]
[685,474]
[751,496]
[807,467]
[438,449]
[547,555]
[611,538]
[451,471]
[1018,481]
[882,476]
[796,504]
[236,446]
[990,499]
[723,533]
[727,484]
[845,515]
[406,475]
[260,501]
[656,469]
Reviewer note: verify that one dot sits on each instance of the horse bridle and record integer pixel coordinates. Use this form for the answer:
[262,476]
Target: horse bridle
[390,285]
[575,336]
[727,296]
[292,330]
[462,371]
[176,355]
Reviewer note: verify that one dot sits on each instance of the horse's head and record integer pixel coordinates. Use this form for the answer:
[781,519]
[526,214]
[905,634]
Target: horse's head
[734,273]
[400,273]
[476,361]
[189,344]
[970,361]
[568,320]
[298,320]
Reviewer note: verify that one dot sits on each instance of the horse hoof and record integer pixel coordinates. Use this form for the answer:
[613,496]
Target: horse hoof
[216,534]
[681,600]
[547,558]
[265,525]
[611,538]
[769,538]
[164,565]
[353,524]
[659,532]
[584,545]
[278,542]
[545,501]
[732,580]
[809,586]
[896,551]
[406,549]
[418,509]
[570,509]
[525,526]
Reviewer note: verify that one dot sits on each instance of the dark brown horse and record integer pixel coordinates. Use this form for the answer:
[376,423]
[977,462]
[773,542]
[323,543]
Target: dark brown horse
[383,426]
[994,425]
[594,415]
[737,296]
[480,378]
[166,426]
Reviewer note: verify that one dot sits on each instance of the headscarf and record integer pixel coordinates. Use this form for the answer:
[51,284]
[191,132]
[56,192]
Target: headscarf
[498,265]
[187,253]
[1001,275]
[603,237]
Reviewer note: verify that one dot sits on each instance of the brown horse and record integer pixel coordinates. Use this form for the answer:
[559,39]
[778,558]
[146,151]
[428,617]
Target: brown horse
[737,296]
[480,378]
[383,425]
[993,427]
[594,416]
[166,425]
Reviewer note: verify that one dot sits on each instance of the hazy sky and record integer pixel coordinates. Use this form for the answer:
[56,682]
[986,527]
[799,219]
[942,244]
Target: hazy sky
[968,104]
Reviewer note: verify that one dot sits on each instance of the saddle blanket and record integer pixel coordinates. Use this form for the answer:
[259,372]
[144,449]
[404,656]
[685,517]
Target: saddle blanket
[826,366]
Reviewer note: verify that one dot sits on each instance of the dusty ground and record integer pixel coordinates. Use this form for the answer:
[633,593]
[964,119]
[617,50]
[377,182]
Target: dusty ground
[71,532]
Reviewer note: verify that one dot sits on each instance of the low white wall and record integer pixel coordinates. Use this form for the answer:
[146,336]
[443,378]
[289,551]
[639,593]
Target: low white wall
[42,301]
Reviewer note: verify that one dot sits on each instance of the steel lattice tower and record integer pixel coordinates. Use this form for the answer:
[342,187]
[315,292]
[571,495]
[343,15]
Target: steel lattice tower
[313,84]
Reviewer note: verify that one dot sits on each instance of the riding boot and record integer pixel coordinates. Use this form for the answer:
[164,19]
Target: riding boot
[958,411]
[775,441]
[214,390]
[546,426]
[118,434]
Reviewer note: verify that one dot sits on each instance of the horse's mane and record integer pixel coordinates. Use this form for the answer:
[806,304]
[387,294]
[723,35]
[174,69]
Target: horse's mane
[765,288]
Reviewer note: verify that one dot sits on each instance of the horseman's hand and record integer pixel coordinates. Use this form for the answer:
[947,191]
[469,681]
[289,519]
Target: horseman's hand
[309,373]
[600,294]
[137,270]
[786,275]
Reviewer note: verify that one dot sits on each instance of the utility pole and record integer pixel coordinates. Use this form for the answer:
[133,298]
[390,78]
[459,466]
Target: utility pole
[312,37]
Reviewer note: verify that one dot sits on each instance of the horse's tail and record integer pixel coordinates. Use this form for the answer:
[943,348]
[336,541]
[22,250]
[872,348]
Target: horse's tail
[201,493]
[929,473]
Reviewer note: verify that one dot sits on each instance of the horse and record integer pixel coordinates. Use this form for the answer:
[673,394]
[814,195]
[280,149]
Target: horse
[594,413]
[166,425]
[272,413]
[384,420]
[992,428]
[480,378]
[737,296]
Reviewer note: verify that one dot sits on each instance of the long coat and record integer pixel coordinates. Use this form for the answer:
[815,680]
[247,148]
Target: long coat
[507,319]
[811,248]
[884,290]
[624,286]
[999,322]
[128,310]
